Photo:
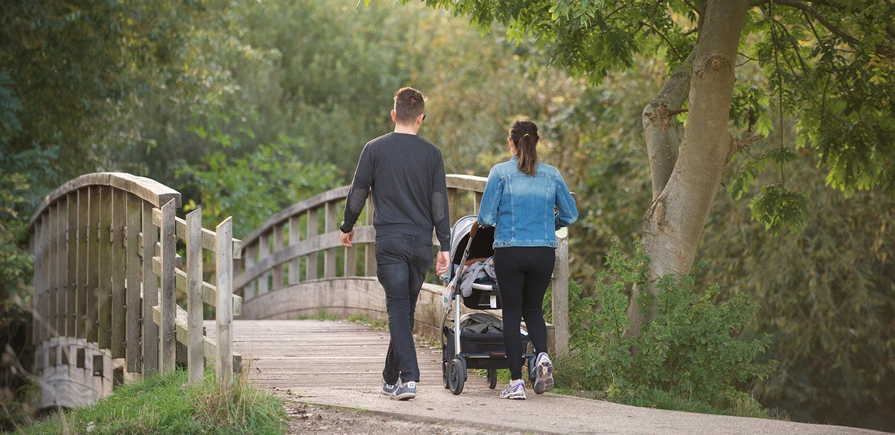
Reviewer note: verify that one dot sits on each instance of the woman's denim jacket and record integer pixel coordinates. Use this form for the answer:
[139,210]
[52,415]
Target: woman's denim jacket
[526,210]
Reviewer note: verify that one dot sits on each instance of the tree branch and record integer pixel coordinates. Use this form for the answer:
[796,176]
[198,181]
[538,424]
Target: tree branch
[660,130]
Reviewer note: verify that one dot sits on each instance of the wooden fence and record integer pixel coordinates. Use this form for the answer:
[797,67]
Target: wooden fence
[107,278]
[301,244]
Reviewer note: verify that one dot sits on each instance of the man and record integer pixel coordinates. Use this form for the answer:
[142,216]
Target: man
[406,175]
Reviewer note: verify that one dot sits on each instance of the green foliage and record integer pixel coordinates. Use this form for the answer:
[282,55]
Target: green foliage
[777,207]
[254,186]
[696,351]
[164,404]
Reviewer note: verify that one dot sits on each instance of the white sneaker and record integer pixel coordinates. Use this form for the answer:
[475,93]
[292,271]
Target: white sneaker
[515,390]
[543,379]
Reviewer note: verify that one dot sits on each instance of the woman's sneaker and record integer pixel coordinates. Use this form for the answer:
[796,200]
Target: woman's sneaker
[388,389]
[514,390]
[543,376]
[405,391]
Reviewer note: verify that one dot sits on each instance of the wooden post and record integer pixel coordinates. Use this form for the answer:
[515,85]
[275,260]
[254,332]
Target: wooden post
[105,264]
[560,300]
[294,238]
[133,352]
[478,202]
[195,346]
[224,308]
[329,255]
[312,232]
[150,295]
[83,259]
[53,274]
[251,257]
[71,248]
[370,248]
[93,286]
[168,303]
[276,247]
[119,263]
[264,249]
[40,278]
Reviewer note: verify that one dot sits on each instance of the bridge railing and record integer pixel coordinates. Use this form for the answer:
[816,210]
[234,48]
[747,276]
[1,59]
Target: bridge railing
[301,244]
[106,280]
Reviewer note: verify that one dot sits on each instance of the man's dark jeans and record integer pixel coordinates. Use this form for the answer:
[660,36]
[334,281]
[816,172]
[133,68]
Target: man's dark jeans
[401,264]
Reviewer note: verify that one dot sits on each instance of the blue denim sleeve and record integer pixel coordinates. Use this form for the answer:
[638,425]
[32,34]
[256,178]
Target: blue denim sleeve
[565,203]
[490,200]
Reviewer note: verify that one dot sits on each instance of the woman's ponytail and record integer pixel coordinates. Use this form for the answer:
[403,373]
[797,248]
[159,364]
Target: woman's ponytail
[524,135]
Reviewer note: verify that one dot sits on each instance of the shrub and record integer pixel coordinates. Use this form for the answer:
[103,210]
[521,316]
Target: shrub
[694,355]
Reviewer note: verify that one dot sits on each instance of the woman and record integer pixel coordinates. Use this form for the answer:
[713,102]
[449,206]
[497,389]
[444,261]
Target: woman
[521,201]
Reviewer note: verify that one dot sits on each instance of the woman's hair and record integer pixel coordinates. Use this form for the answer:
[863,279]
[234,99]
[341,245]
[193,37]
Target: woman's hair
[524,135]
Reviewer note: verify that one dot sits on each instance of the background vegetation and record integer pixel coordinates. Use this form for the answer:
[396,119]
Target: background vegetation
[246,107]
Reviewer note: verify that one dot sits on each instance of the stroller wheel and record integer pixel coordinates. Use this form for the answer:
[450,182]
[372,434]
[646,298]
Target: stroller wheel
[457,376]
[492,378]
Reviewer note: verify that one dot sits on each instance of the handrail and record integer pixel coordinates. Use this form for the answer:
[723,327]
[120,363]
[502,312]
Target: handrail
[148,189]
[454,181]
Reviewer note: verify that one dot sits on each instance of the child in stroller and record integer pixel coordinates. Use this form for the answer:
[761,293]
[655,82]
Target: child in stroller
[474,340]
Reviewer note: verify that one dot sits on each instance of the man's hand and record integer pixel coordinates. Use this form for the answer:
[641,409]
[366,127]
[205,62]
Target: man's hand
[442,261]
[346,239]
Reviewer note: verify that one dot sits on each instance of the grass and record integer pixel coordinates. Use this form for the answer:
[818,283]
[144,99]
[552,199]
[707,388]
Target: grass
[164,404]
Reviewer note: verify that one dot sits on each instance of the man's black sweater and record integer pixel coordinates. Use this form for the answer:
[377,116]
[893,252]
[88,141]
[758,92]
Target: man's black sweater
[406,175]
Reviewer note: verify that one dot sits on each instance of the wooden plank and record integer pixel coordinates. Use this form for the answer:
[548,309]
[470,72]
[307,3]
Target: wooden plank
[250,288]
[369,248]
[207,235]
[93,288]
[466,182]
[119,265]
[40,274]
[560,295]
[52,270]
[350,261]
[84,259]
[209,346]
[277,268]
[71,249]
[195,355]
[264,258]
[294,238]
[329,255]
[167,300]
[150,332]
[312,235]
[104,339]
[478,203]
[133,350]
[223,310]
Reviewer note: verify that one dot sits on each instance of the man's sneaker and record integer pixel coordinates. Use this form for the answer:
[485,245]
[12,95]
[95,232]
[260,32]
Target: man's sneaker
[389,389]
[405,391]
[543,376]
[515,390]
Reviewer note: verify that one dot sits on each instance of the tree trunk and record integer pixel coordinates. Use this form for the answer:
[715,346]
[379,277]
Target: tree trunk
[684,193]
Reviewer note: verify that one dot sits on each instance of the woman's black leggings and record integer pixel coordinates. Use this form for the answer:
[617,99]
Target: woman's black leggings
[523,274]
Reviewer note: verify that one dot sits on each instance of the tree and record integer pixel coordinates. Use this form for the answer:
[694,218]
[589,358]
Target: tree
[828,62]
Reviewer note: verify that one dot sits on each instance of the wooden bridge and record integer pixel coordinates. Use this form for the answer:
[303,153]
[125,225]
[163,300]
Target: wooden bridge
[121,288]
[121,291]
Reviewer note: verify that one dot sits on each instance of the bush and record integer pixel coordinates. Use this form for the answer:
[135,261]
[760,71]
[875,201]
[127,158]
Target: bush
[164,404]
[694,355]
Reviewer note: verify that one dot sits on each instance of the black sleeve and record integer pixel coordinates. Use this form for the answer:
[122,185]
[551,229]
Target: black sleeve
[360,188]
[440,212]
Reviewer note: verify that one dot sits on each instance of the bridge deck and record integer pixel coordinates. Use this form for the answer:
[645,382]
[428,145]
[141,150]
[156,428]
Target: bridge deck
[340,363]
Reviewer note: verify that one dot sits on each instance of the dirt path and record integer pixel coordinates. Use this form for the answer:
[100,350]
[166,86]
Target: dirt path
[326,369]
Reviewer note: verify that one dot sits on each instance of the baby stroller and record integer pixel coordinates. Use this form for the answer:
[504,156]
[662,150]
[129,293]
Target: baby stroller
[475,340]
